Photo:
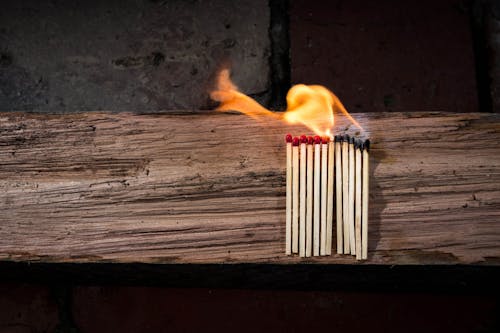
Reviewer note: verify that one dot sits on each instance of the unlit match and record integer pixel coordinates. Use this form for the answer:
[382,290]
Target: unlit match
[327,182]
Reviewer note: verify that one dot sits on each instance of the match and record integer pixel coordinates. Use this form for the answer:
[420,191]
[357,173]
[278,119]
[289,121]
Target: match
[288,247]
[327,182]
[329,203]
[338,192]
[295,195]
[309,195]
[352,231]
[302,189]
[357,200]
[366,185]
[345,193]
[324,191]
[317,192]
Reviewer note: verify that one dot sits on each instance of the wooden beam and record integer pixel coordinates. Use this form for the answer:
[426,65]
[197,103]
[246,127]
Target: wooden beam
[210,188]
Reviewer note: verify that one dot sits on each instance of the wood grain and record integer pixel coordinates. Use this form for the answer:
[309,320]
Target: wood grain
[210,188]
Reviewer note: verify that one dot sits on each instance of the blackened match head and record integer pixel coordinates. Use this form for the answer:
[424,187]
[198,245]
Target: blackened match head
[288,138]
[346,138]
[310,140]
[303,139]
[351,140]
[367,144]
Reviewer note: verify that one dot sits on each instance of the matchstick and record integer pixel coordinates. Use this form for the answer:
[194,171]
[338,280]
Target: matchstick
[366,186]
[357,199]
[338,193]
[309,194]
[302,189]
[352,238]
[295,195]
[288,242]
[316,216]
[324,192]
[345,193]
[329,209]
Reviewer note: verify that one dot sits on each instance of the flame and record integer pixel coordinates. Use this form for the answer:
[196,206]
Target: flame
[312,106]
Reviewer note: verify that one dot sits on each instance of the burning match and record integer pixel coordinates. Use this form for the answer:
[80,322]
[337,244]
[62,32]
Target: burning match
[325,178]
[320,167]
[345,193]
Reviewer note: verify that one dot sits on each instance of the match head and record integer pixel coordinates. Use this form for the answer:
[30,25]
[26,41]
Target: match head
[358,144]
[367,144]
[310,140]
[303,139]
[351,140]
[317,139]
[295,141]
[325,139]
[346,138]
[288,138]
[339,138]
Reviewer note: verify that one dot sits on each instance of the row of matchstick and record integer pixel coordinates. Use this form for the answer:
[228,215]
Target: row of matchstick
[310,184]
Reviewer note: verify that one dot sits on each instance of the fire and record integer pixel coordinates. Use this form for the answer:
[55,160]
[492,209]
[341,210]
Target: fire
[312,106]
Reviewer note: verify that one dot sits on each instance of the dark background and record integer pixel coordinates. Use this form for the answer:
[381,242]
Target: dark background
[148,56]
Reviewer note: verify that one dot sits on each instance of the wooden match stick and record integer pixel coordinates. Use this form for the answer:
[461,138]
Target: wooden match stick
[309,195]
[345,192]
[295,195]
[357,199]
[288,242]
[317,193]
[366,186]
[352,238]
[338,193]
[302,189]
[324,193]
[329,208]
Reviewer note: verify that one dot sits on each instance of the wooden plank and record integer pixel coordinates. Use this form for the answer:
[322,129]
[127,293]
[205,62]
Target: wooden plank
[209,188]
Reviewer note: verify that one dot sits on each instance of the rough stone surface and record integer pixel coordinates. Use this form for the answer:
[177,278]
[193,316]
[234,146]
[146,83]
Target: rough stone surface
[386,55]
[128,55]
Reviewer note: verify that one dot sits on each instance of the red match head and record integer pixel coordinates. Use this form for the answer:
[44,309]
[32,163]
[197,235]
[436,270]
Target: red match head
[310,140]
[303,139]
[326,139]
[317,139]
[295,141]
[288,138]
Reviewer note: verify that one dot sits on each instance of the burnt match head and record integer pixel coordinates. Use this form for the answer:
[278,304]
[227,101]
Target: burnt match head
[351,140]
[317,139]
[325,139]
[303,139]
[339,138]
[310,140]
[346,138]
[367,144]
[288,138]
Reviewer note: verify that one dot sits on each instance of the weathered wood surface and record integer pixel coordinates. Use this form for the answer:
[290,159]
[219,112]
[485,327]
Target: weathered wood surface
[210,188]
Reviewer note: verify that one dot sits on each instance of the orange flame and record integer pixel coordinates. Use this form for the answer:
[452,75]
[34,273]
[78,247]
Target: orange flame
[312,106]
